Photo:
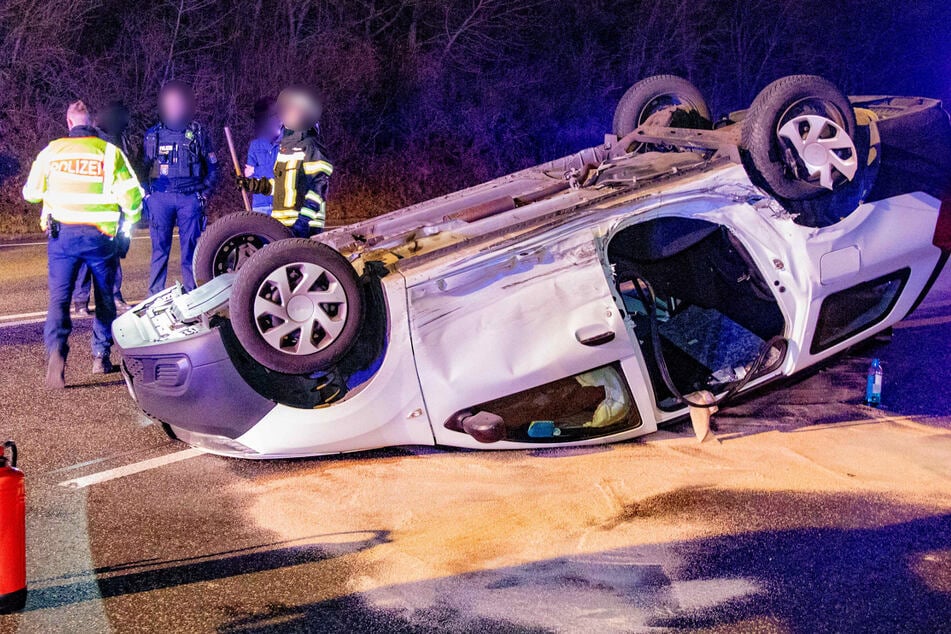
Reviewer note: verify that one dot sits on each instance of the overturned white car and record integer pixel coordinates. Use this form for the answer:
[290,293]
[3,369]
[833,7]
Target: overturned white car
[581,301]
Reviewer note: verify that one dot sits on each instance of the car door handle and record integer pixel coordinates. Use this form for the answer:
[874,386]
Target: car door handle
[594,335]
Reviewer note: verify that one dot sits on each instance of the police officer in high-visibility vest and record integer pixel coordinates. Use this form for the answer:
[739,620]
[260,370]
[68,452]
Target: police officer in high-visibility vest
[182,170]
[111,123]
[302,170]
[89,194]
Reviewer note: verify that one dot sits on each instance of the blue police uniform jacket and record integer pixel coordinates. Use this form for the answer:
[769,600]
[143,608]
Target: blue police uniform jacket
[262,154]
[180,161]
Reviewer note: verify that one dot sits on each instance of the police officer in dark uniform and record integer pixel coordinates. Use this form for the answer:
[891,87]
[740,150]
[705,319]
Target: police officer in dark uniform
[182,170]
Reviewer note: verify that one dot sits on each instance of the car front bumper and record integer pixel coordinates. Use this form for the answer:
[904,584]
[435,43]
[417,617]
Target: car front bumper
[193,385]
[185,369]
[181,374]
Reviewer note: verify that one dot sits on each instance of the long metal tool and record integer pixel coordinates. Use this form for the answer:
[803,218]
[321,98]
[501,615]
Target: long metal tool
[237,167]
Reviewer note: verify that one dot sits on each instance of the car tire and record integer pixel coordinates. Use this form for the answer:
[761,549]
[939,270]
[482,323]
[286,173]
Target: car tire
[650,95]
[229,241]
[291,335]
[777,138]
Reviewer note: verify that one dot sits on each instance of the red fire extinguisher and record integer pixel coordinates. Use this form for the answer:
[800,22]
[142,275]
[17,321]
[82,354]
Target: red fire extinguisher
[12,532]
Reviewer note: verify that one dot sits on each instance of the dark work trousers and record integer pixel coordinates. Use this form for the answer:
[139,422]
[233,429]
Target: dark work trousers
[167,209]
[83,288]
[77,245]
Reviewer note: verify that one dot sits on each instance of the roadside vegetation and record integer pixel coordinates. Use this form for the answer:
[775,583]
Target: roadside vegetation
[426,96]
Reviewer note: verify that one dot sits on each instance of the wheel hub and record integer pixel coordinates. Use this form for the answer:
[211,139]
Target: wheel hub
[822,145]
[815,154]
[300,308]
[232,255]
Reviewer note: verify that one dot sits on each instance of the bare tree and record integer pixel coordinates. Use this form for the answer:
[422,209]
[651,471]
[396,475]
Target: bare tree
[424,96]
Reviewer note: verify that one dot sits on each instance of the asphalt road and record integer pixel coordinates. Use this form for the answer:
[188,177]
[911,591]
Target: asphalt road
[23,276]
[811,514]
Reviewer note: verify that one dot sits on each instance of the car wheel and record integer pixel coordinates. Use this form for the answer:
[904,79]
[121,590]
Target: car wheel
[296,306]
[229,241]
[654,94]
[801,143]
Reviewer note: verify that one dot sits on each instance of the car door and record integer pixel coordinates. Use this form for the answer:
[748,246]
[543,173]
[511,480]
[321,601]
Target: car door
[865,273]
[503,328]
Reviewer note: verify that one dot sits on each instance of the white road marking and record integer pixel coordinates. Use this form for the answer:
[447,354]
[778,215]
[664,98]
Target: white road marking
[124,454]
[135,467]
[13,245]
[23,319]
[16,316]
[23,322]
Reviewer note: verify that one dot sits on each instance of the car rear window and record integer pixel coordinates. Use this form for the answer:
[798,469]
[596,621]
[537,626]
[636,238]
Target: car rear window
[849,312]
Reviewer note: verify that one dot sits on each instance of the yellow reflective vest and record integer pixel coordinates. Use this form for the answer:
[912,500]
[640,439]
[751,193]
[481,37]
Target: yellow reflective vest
[84,180]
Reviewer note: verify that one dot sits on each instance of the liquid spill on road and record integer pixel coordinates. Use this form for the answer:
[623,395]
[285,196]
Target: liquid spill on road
[610,538]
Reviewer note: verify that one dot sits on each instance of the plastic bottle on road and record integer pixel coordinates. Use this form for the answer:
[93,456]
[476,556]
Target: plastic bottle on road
[873,386]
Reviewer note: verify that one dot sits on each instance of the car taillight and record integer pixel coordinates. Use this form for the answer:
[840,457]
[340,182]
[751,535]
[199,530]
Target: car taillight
[942,232]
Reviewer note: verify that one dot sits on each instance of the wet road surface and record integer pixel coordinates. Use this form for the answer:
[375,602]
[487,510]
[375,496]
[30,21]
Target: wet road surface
[812,513]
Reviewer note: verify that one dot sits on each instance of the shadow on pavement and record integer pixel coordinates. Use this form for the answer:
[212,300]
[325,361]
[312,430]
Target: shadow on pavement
[892,573]
[148,575]
[917,368]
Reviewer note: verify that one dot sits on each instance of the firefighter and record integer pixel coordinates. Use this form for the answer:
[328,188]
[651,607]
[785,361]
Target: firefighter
[87,188]
[182,169]
[264,148]
[111,123]
[302,170]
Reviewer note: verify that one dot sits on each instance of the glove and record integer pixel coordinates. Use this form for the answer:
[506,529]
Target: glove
[124,239]
[254,185]
[301,227]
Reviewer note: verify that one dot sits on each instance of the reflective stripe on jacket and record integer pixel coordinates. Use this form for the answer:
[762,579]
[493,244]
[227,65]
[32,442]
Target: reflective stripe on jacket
[301,179]
[84,180]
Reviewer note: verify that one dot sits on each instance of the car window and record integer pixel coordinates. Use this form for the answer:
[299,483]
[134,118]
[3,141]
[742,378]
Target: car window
[849,312]
[587,405]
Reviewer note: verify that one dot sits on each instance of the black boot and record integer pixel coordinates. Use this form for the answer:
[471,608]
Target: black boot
[102,365]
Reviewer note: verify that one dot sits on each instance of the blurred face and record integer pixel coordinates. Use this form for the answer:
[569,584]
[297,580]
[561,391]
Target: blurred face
[272,125]
[113,120]
[299,110]
[175,108]
[295,117]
